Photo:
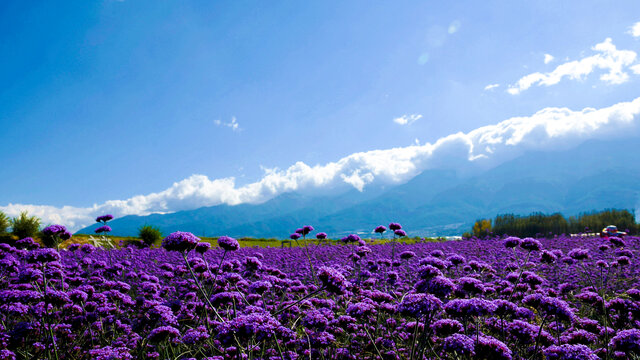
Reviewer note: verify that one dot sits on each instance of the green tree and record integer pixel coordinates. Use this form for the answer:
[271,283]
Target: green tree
[149,234]
[25,226]
[4,223]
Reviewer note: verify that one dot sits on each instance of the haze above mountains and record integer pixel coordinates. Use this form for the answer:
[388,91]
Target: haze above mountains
[595,175]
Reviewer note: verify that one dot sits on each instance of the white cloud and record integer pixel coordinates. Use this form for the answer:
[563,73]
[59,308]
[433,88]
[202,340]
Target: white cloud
[491,86]
[454,27]
[548,129]
[407,119]
[635,30]
[607,58]
[233,124]
[548,58]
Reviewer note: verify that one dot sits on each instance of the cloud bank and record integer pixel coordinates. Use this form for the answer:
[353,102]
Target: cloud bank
[548,129]
[615,62]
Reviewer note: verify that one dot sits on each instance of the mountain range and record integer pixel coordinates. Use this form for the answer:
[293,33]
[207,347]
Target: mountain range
[595,175]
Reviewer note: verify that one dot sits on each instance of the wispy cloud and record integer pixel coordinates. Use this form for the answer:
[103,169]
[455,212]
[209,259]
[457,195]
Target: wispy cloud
[615,62]
[548,129]
[635,30]
[454,27]
[407,119]
[548,58]
[233,124]
[491,87]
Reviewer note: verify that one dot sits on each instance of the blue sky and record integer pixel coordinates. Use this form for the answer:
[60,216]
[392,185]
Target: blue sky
[107,100]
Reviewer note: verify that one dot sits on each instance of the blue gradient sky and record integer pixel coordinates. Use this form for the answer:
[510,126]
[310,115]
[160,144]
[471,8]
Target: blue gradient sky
[105,100]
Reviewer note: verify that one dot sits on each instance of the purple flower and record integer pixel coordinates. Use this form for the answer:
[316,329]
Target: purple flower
[111,353]
[332,280]
[417,305]
[180,241]
[351,238]
[195,336]
[491,348]
[511,242]
[530,244]
[579,254]
[380,229]
[53,230]
[456,259]
[104,218]
[548,257]
[438,286]
[163,333]
[406,255]
[459,344]
[87,248]
[42,256]
[261,326]
[446,327]
[627,341]
[400,233]
[202,247]
[523,332]
[551,306]
[103,228]
[307,229]
[395,226]
[316,320]
[461,308]
[437,253]
[294,236]
[228,243]
[321,235]
[570,352]
[616,241]
[361,309]
[623,260]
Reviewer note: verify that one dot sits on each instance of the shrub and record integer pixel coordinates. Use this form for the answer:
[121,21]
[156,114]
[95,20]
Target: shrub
[150,234]
[4,223]
[25,226]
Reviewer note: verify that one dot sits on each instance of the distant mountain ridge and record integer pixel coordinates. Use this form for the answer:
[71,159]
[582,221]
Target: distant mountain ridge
[593,176]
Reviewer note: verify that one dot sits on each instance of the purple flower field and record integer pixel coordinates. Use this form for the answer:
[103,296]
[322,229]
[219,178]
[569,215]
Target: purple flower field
[560,298]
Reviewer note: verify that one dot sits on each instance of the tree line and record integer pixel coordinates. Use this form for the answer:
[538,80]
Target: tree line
[540,225]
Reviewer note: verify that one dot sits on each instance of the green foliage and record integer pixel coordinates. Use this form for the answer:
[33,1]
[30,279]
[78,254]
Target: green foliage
[25,226]
[482,228]
[596,221]
[150,234]
[50,241]
[4,223]
[7,238]
[538,224]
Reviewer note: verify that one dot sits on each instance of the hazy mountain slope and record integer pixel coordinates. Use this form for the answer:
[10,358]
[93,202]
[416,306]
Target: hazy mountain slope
[593,176]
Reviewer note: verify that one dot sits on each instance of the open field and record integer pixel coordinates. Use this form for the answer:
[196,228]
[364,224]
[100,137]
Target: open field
[250,242]
[560,298]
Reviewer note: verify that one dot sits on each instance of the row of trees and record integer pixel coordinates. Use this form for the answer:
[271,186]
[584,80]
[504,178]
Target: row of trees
[539,224]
